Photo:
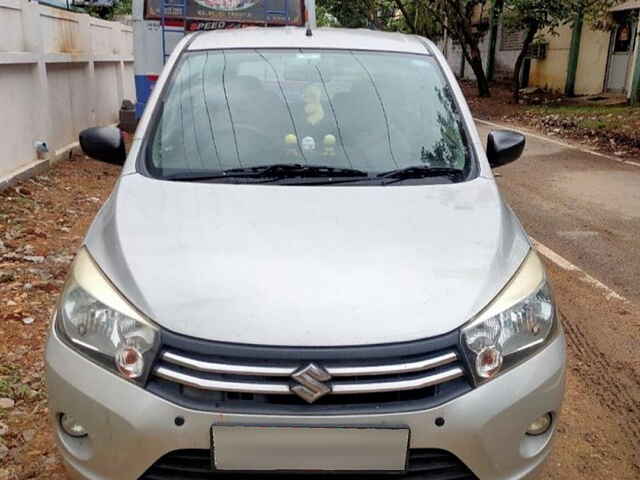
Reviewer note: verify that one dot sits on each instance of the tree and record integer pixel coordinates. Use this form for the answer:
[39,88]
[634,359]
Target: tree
[378,14]
[532,16]
[456,18]
[119,7]
[418,20]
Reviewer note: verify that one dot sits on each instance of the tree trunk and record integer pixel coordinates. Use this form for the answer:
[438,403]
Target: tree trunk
[517,70]
[496,12]
[475,61]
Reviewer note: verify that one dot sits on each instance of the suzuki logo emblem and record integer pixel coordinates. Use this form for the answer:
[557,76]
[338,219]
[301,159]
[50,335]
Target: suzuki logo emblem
[311,386]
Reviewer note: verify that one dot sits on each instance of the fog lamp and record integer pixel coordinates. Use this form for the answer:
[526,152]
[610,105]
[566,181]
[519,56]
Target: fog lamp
[540,425]
[71,427]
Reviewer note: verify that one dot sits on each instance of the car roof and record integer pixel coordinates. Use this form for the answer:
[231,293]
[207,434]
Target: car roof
[322,38]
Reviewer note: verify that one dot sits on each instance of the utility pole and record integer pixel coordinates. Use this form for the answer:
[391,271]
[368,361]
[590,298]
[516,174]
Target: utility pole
[496,12]
[635,85]
[574,55]
[310,6]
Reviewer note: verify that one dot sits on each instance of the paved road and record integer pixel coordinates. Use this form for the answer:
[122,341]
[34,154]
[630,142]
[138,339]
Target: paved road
[586,209]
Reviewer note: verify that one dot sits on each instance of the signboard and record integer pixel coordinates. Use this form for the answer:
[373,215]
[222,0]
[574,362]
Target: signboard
[208,25]
[272,12]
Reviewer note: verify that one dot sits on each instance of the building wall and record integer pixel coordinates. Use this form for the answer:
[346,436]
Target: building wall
[60,72]
[592,66]
[551,73]
[506,53]
[633,66]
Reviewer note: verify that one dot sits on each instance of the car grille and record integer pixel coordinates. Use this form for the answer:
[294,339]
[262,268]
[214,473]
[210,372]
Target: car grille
[423,464]
[206,377]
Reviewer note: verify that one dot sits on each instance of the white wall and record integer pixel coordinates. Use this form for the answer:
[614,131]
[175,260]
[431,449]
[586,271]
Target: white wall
[505,57]
[60,72]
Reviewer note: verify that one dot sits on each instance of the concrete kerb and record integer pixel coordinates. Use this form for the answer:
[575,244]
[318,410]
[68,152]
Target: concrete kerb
[23,173]
[37,167]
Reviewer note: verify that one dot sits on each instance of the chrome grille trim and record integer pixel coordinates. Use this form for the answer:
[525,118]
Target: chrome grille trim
[222,385]
[338,388]
[397,385]
[227,368]
[393,369]
[351,371]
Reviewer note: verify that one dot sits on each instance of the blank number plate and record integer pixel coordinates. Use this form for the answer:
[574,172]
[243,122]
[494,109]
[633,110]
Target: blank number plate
[299,449]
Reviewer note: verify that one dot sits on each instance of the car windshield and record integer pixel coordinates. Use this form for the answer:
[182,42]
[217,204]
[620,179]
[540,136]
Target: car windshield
[362,114]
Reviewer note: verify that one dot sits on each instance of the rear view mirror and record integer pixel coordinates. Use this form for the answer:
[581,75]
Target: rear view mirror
[504,147]
[104,143]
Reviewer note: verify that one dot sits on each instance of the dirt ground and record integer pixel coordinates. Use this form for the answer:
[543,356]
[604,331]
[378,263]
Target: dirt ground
[599,432]
[43,220]
[603,124]
[42,223]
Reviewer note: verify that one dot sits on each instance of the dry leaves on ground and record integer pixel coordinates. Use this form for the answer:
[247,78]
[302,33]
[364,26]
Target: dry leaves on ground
[612,129]
[42,223]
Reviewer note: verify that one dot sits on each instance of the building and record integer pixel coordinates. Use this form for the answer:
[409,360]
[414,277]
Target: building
[606,59]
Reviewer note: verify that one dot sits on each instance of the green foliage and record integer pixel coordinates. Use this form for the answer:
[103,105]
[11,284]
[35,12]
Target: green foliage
[596,12]
[537,14]
[551,14]
[325,18]
[379,14]
[123,7]
[348,13]
[120,7]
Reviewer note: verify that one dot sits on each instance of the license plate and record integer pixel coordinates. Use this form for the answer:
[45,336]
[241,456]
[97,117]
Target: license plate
[304,449]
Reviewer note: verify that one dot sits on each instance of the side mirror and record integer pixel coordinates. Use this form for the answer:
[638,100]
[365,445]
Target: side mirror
[504,147]
[104,143]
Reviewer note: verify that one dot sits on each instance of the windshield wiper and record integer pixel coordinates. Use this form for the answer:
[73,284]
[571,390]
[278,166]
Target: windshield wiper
[422,171]
[276,172]
[283,170]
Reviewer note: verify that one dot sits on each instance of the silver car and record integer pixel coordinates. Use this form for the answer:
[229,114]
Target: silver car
[305,268]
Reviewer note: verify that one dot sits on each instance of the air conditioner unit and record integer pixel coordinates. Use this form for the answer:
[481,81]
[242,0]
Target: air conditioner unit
[92,3]
[538,51]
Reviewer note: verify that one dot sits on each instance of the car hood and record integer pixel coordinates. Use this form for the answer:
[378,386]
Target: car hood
[307,266]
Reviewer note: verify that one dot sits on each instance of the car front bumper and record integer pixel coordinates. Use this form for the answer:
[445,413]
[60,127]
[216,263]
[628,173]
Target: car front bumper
[130,428]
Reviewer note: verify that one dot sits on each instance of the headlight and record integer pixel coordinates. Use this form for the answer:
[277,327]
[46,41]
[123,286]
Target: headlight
[95,319]
[515,325]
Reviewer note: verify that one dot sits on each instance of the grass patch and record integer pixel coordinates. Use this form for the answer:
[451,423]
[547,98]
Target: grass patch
[11,385]
[614,119]
[586,110]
